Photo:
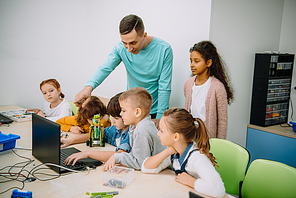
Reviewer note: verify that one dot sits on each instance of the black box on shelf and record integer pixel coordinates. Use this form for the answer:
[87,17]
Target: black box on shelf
[271,88]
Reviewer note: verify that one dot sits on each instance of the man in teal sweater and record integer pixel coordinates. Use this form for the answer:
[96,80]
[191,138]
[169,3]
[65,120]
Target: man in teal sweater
[148,61]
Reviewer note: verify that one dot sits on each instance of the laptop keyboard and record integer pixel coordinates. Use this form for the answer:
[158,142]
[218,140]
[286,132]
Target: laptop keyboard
[77,165]
[4,119]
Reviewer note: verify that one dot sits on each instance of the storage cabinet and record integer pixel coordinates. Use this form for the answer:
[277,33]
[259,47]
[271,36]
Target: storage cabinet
[271,88]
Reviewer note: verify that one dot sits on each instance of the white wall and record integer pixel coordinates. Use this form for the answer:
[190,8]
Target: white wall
[288,44]
[69,39]
[240,29]
[41,40]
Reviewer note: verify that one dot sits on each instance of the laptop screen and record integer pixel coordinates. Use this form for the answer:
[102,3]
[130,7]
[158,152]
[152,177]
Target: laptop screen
[46,140]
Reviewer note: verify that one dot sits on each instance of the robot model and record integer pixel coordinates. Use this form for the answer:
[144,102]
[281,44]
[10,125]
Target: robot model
[96,133]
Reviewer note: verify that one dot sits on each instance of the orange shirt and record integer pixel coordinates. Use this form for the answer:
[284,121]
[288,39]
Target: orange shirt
[68,121]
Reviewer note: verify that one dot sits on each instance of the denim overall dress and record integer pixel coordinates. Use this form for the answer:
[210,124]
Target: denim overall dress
[176,156]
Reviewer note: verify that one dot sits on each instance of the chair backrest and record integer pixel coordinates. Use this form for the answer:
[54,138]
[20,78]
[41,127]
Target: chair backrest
[73,108]
[232,160]
[266,178]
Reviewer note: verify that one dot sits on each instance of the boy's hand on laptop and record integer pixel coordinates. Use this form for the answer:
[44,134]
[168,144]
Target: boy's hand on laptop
[75,157]
[109,164]
[76,129]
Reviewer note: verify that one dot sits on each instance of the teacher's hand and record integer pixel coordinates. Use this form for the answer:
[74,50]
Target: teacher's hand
[83,96]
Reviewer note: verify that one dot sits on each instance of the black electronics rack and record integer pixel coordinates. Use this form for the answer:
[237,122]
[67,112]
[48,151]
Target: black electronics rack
[271,88]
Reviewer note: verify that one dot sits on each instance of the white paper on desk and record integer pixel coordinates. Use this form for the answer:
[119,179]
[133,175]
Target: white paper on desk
[174,194]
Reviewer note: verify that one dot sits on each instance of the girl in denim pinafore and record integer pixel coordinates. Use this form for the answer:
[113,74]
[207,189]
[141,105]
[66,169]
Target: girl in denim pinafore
[188,151]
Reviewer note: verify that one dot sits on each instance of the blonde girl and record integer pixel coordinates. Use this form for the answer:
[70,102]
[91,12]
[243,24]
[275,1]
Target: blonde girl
[188,151]
[55,106]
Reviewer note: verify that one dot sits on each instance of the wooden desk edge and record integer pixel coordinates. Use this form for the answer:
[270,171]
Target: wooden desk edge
[10,107]
[275,129]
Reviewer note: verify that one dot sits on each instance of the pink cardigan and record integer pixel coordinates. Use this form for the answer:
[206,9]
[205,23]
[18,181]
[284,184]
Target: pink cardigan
[216,107]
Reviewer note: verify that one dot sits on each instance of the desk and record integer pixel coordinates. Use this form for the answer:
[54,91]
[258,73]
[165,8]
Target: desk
[144,185]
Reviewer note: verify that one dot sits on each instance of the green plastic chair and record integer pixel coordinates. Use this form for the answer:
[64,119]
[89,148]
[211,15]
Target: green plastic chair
[232,160]
[266,178]
[74,108]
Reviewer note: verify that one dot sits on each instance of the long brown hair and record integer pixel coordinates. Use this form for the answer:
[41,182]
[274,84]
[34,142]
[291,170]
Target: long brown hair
[93,107]
[218,69]
[181,121]
[54,83]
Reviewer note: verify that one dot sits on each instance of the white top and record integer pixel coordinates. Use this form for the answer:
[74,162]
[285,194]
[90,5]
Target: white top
[62,110]
[198,101]
[200,167]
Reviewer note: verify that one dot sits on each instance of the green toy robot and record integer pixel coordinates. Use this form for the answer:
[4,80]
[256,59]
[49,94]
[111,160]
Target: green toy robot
[96,134]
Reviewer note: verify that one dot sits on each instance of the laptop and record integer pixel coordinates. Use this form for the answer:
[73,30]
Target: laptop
[46,146]
[4,119]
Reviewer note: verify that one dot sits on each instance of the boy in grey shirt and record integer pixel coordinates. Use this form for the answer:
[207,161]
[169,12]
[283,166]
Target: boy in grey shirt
[135,106]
